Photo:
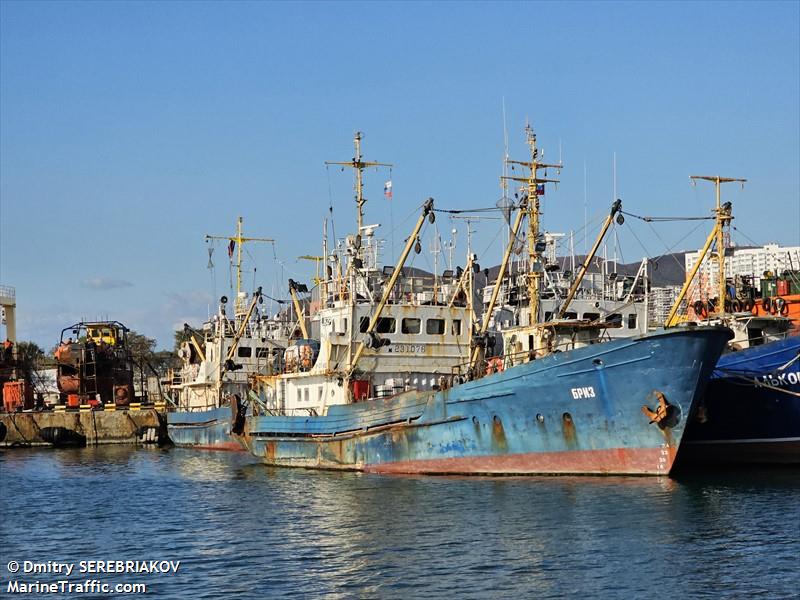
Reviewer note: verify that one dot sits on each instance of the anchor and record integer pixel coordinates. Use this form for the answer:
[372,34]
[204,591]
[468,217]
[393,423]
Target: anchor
[665,413]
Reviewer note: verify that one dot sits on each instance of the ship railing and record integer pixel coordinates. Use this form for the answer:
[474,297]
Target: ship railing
[765,338]
[494,364]
[288,412]
[7,292]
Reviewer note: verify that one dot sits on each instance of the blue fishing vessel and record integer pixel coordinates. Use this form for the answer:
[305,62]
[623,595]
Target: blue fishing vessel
[203,430]
[579,411]
[405,380]
[218,361]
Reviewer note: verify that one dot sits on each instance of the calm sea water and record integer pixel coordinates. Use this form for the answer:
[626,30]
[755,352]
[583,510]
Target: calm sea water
[243,530]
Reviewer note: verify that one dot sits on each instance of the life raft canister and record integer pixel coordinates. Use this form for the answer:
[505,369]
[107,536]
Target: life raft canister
[700,309]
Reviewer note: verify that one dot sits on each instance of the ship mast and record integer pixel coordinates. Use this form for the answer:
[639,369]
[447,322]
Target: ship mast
[535,186]
[724,219]
[239,240]
[723,214]
[359,165]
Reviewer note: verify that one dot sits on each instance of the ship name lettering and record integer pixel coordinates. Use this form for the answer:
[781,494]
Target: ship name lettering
[583,392]
[791,378]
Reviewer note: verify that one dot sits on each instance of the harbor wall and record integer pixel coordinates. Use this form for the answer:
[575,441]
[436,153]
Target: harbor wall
[82,428]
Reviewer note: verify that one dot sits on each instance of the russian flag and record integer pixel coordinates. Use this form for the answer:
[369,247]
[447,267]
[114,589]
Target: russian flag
[387,189]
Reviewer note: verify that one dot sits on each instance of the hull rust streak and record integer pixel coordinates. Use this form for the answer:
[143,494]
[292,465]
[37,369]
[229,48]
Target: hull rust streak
[525,420]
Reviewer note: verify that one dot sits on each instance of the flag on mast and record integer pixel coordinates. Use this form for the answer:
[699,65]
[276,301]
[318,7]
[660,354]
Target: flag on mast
[231,247]
[387,189]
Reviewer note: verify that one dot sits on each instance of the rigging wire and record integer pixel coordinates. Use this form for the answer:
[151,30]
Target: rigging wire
[670,250]
[211,247]
[677,262]
[391,213]
[469,210]
[330,204]
[748,238]
[666,219]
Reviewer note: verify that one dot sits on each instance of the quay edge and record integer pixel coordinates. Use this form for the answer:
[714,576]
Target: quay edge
[82,428]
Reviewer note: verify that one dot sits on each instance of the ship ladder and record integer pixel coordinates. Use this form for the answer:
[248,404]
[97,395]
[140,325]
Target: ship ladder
[90,373]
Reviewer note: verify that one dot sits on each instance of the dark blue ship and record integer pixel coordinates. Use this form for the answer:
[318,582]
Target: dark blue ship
[751,410]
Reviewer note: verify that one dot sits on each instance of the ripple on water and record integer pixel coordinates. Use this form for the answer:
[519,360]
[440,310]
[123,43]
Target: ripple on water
[244,530]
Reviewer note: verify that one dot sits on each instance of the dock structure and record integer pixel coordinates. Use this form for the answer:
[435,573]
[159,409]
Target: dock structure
[83,427]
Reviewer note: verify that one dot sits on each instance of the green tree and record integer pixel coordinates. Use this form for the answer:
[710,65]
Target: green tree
[30,358]
[141,347]
[182,335]
[186,334]
[146,357]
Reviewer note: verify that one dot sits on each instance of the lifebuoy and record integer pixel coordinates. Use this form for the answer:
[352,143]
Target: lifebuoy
[781,306]
[494,365]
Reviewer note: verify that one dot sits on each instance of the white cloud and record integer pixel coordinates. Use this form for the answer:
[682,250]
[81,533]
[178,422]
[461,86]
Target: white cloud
[105,283]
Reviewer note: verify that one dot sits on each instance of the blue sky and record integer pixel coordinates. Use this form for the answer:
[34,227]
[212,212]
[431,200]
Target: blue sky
[130,130]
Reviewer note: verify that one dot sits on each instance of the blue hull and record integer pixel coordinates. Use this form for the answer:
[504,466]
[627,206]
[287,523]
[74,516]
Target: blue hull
[206,430]
[741,421]
[571,412]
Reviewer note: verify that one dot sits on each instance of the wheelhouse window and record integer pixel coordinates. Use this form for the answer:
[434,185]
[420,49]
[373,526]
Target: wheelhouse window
[591,316]
[244,352]
[385,325]
[572,315]
[615,319]
[456,326]
[363,324]
[410,325]
[632,321]
[262,352]
[434,326]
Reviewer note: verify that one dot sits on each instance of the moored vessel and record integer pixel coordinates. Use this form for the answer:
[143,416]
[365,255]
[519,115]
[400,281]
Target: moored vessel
[750,412]
[218,361]
[565,404]
[578,412]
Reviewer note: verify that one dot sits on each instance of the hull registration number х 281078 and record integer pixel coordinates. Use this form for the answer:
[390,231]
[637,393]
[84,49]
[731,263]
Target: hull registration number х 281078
[413,348]
[583,392]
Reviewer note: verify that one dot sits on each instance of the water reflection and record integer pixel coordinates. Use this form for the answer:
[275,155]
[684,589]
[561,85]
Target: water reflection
[242,529]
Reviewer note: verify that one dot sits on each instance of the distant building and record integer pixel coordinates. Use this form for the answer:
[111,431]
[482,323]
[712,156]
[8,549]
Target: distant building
[661,301]
[750,262]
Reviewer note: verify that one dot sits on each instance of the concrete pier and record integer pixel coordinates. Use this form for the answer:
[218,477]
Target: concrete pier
[82,428]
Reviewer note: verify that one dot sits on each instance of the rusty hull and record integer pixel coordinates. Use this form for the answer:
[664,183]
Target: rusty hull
[203,430]
[576,412]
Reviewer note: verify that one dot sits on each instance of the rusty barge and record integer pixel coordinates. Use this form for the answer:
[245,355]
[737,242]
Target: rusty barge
[96,402]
